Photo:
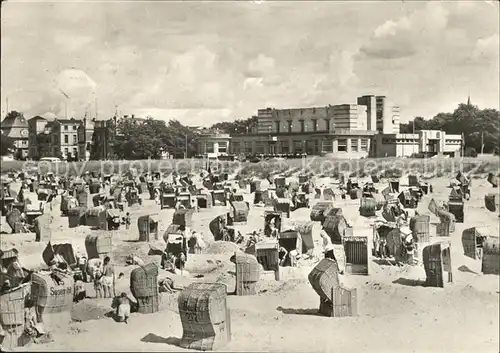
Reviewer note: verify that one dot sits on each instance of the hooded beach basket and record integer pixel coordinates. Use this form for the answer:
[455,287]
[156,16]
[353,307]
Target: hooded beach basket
[144,287]
[98,246]
[204,316]
[247,274]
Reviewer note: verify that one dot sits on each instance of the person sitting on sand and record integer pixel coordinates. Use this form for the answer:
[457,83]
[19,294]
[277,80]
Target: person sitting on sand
[167,262]
[32,327]
[134,260]
[123,310]
[239,238]
[166,285]
[80,291]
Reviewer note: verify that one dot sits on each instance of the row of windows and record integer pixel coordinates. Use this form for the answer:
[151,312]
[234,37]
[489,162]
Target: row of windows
[66,127]
[210,147]
[277,125]
[302,146]
[55,139]
[391,141]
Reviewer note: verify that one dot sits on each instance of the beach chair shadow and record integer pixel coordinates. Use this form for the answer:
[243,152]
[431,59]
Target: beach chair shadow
[295,311]
[152,338]
[409,282]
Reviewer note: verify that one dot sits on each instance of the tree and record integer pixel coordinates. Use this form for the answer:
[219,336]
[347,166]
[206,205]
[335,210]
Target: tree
[12,115]
[143,139]
[474,123]
[239,126]
[6,145]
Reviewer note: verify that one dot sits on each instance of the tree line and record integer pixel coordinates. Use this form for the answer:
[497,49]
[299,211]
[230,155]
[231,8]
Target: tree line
[478,126]
[142,139]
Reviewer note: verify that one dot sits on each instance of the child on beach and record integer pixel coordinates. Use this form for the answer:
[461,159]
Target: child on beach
[123,310]
[127,221]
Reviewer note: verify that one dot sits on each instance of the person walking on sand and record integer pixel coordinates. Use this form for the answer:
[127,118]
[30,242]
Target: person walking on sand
[327,245]
[108,278]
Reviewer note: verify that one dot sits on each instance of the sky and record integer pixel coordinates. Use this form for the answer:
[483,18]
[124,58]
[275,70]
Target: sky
[204,62]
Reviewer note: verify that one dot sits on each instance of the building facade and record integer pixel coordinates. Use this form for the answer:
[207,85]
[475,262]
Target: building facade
[85,134]
[212,144]
[16,126]
[345,130]
[64,138]
[349,116]
[424,142]
[101,147]
[342,143]
[39,138]
[387,116]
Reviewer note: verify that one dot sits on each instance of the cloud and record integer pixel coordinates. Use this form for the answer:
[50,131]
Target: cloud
[75,91]
[71,42]
[203,62]
[401,38]
[198,117]
[260,66]
[486,49]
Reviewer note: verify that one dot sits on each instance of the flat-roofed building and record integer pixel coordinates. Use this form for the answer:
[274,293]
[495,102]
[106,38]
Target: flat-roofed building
[423,142]
[212,144]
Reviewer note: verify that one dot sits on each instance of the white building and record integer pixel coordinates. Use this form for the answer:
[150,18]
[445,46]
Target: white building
[213,144]
[428,142]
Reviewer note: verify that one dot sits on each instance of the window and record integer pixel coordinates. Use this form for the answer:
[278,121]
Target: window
[75,151]
[342,145]
[209,147]
[328,146]
[289,126]
[302,126]
[66,151]
[65,127]
[354,145]
[364,145]
[66,139]
[315,124]
[75,140]
[74,127]
[259,147]
[235,147]
[222,147]
[277,126]
[327,125]
[248,147]
[297,146]
[284,147]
